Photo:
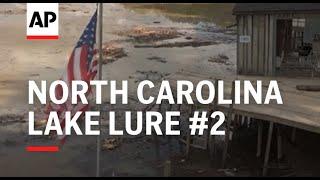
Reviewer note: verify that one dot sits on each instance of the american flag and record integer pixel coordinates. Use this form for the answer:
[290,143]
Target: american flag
[81,66]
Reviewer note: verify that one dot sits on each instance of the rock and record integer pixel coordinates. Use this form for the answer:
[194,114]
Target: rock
[188,37]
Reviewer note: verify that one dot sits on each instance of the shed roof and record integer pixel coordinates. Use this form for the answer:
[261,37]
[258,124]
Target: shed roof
[268,8]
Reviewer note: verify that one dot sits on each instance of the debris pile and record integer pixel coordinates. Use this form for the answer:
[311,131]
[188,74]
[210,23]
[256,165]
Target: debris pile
[220,59]
[12,118]
[154,76]
[157,59]
[177,44]
[110,144]
[151,34]
[111,51]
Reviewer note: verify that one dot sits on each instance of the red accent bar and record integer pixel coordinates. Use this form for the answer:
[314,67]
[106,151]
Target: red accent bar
[42,37]
[42,148]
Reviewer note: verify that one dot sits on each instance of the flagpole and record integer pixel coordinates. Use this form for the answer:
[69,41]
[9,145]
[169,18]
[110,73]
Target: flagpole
[99,78]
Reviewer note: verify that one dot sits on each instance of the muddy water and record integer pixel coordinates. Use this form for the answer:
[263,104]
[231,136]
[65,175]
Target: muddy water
[23,60]
[218,13]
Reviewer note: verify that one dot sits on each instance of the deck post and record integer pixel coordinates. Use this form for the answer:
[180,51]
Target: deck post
[211,141]
[279,143]
[156,141]
[267,153]
[167,168]
[227,133]
[188,141]
[180,127]
[170,138]
[293,135]
[259,143]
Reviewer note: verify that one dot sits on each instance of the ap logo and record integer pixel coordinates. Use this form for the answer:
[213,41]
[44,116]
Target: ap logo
[42,20]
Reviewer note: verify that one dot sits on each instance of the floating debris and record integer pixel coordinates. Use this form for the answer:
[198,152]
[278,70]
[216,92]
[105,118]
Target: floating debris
[157,58]
[111,51]
[40,123]
[10,142]
[154,76]
[110,144]
[178,44]
[33,75]
[151,34]
[220,59]
[12,118]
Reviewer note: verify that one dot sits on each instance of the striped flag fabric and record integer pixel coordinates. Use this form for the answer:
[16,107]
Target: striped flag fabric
[81,66]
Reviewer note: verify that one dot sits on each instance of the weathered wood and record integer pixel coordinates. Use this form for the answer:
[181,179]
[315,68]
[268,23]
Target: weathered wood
[188,141]
[249,57]
[240,55]
[227,132]
[308,87]
[255,43]
[156,141]
[259,139]
[180,127]
[271,45]
[303,115]
[211,143]
[293,135]
[267,152]
[279,142]
[261,48]
[245,47]
[167,169]
[266,46]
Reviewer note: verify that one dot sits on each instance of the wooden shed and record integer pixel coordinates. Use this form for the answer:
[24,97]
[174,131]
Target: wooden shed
[277,38]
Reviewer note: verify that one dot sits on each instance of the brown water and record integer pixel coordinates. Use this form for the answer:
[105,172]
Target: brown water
[219,13]
[23,60]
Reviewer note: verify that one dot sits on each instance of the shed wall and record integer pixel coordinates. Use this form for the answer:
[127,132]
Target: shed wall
[257,56]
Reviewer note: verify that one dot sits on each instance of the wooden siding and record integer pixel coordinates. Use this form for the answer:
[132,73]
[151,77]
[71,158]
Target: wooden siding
[257,56]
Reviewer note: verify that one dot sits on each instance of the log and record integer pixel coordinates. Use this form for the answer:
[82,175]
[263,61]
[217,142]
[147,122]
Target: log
[308,87]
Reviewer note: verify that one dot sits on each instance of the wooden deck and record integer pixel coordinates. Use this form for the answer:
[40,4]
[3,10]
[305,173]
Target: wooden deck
[300,109]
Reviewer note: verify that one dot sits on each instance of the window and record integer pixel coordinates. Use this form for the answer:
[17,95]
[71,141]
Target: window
[298,22]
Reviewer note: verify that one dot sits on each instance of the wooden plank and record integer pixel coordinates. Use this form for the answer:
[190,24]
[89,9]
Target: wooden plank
[211,143]
[167,169]
[255,43]
[266,46]
[279,142]
[245,47]
[304,115]
[261,48]
[259,139]
[271,45]
[308,87]
[249,57]
[267,152]
[240,47]
[227,133]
